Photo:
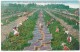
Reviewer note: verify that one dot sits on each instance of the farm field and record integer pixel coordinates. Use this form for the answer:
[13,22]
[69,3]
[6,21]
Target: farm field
[60,36]
[69,21]
[39,27]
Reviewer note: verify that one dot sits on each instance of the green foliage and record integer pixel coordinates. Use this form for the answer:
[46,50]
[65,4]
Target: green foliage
[59,6]
[16,8]
[9,19]
[73,11]
[12,9]
[67,20]
[25,34]
[59,37]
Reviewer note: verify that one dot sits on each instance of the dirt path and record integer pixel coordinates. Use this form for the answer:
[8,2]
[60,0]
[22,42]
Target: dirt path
[5,30]
[72,31]
[41,39]
[67,16]
[2,18]
[71,18]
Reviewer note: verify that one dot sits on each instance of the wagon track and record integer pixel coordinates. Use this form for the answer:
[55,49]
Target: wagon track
[41,39]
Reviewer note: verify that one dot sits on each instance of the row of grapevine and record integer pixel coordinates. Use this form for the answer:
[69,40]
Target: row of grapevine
[67,20]
[59,37]
[8,20]
[13,42]
[68,13]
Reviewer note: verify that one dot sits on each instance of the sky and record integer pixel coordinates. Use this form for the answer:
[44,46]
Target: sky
[39,0]
[71,3]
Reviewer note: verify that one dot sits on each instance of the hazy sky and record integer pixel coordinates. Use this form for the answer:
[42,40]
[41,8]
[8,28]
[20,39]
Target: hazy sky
[71,3]
[39,0]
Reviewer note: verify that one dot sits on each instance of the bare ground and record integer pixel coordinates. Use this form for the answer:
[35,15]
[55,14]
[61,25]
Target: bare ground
[42,34]
[5,30]
[72,31]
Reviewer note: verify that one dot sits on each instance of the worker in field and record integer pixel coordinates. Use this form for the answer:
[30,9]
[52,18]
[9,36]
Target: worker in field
[57,29]
[66,31]
[65,47]
[69,39]
[51,21]
[19,24]
[15,29]
[40,26]
[48,23]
